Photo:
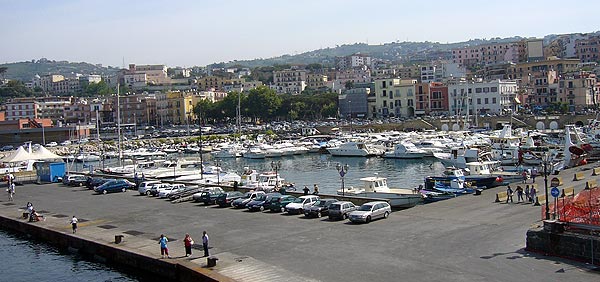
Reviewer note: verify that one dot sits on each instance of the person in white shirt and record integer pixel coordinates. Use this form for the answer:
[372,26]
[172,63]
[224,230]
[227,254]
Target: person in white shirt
[205,243]
[74,224]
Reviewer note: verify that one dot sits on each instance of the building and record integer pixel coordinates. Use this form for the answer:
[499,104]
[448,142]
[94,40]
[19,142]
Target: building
[394,98]
[344,78]
[289,81]
[578,91]
[588,50]
[481,97]
[431,73]
[22,109]
[353,103]
[155,74]
[422,99]
[496,53]
[410,72]
[316,80]
[353,61]
[138,109]
[242,86]
[438,99]
[175,107]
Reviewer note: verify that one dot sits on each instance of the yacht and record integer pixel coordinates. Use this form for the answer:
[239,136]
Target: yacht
[254,152]
[405,150]
[354,149]
[266,181]
[377,187]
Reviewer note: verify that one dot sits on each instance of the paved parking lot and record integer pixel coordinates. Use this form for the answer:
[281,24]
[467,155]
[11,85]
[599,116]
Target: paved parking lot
[469,238]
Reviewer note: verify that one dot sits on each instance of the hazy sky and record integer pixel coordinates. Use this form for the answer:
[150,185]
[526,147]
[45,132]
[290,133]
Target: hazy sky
[188,33]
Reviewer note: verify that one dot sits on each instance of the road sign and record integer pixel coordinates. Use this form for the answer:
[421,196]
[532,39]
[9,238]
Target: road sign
[554,192]
[555,182]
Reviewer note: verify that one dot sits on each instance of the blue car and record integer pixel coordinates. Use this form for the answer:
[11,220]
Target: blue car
[120,185]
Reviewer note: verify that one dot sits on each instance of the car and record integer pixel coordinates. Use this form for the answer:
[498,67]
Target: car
[278,204]
[341,210]
[51,144]
[249,196]
[225,199]
[119,185]
[320,208]
[65,143]
[369,211]
[74,180]
[164,192]
[208,196]
[261,202]
[7,148]
[155,189]
[144,188]
[91,183]
[302,202]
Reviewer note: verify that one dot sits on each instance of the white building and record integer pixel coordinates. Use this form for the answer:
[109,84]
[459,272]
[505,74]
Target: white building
[394,98]
[481,96]
[289,81]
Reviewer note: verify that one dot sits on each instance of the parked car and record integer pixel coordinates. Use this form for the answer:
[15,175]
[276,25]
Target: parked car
[144,188]
[341,210]
[94,182]
[249,196]
[370,211]
[74,180]
[65,143]
[320,208]
[208,197]
[278,204]
[165,192]
[225,199]
[262,202]
[7,148]
[155,189]
[52,144]
[298,206]
[120,185]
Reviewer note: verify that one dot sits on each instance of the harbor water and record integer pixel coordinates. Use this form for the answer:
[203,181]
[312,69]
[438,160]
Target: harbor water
[320,169]
[27,260]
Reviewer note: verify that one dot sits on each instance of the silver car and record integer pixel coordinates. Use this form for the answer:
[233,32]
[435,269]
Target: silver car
[341,210]
[370,211]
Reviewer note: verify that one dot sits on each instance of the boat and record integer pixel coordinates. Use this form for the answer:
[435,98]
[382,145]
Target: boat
[87,158]
[266,181]
[254,152]
[354,149]
[377,187]
[405,150]
[455,181]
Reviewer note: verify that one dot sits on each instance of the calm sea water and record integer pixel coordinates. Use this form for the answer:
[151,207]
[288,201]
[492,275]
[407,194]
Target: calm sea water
[28,260]
[321,169]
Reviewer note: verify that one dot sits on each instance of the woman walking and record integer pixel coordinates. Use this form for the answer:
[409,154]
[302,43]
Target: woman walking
[188,242]
[164,249]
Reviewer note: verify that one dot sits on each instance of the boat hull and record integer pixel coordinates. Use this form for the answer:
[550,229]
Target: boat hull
[398,201]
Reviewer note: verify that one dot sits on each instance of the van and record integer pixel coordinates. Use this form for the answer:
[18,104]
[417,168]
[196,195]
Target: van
[144,188]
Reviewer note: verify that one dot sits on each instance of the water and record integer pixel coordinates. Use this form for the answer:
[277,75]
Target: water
[321,169]
[30,260]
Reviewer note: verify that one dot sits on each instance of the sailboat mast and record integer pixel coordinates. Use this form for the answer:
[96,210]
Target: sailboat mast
[119,123]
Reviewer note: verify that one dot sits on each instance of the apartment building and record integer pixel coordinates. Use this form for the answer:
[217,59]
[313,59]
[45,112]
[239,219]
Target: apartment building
[354,76]
[578,91]
[479,97]
[353,103]
[289,81]
[394,98]
[155,74]
[438,98]
[316,80]
[242,86]
[588,50]
[16,110]
[175,107]
[139,109]
[353,61]
[495,53]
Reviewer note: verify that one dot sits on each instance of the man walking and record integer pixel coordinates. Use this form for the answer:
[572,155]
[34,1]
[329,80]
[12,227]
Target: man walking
[164,249]
[205,243]
[74,224]
[11,191]
[509,194]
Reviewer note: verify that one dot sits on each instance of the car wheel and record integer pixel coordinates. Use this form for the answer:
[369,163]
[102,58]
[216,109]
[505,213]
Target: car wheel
[80,184]
[368,219]
[147,193]
[319,214]
[282,209]
[386,214]
[262,208]
[345,216]
[124,189]
[104,192]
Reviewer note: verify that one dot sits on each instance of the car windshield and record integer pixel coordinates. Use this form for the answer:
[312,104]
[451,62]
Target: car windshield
[246,196]
[365,208]
[299,200]
[335,207]
[260,198]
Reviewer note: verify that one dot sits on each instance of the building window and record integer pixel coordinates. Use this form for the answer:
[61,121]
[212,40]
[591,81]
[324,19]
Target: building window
[477,90]
[494,100]
[494,89]
[478,101]
[486,101]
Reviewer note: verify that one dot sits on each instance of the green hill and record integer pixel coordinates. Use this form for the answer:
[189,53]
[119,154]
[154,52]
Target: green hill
[25,71]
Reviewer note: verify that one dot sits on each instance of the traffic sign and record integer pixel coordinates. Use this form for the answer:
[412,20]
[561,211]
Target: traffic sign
[554,192]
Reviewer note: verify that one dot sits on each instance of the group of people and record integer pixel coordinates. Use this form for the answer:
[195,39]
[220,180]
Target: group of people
[187,243]
[307,190]
[529,174]
[33,215]
[530,194]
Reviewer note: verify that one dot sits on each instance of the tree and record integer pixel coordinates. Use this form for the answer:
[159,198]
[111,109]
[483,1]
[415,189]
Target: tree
[15,88]
[2,72]
[262,103]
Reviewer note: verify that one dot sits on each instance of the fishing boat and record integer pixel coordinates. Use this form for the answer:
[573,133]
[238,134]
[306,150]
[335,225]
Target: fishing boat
[377,187]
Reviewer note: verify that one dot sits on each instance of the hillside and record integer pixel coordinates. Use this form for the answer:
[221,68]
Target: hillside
[25,71]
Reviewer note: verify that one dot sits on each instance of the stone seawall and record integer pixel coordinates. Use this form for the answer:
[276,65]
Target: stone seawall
[181,271]
[567,245]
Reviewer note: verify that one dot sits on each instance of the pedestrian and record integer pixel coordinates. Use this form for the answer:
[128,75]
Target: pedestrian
[524,174]
[282,190]
[533,194]
[316,190]
[136,180]
[164,249]
[306,190]
[534,174]
[143,177]
[74,224]
[11,191]
[188,242]
[235,185]
[519,194]
[527,193]
[205,243]
[509,194]
[29,207]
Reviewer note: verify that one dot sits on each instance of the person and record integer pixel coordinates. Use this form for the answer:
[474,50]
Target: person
[282,190]
[143,177]
[235,185]
[524,174]
[74,224]
[136,180]
[533,194]
[187,243]
[527,193]
[534,174]
[34,216]
[306,190]
[316,190]
[519,194]
[509,194]
[29,207]
[11,191]
[164,249]
[205,243]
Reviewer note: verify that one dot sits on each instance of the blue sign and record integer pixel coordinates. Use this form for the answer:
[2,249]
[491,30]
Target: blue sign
[554,192]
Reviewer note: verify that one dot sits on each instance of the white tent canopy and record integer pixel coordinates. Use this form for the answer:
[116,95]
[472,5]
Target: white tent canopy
[17,156]
[44,154]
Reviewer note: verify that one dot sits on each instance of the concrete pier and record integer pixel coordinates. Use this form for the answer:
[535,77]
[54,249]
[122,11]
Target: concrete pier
[469,238]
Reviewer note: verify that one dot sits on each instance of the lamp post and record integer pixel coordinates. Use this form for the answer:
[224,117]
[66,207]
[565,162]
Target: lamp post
[276,166]
[342,170]
[218,162]
[545,161]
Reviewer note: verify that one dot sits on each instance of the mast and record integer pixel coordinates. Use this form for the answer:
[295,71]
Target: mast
[119,124]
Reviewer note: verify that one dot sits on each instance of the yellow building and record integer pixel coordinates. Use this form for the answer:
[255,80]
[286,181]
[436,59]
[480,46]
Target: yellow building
[175,107]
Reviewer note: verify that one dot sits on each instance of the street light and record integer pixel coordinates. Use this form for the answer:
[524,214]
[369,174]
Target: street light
[276,166]
[342,170]
[545,161]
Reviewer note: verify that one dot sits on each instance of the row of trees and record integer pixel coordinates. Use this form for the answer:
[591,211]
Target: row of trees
[263,103]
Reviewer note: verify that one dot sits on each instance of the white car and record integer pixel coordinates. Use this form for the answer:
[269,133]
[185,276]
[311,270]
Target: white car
[166,192]
[65,143]
[298,205]
[52,144]
[144,188]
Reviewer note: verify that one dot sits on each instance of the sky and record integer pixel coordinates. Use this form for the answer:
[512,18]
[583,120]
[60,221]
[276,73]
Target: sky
[197,32]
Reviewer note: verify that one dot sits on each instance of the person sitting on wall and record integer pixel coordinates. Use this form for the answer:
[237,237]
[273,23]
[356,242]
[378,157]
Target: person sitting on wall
[34,216]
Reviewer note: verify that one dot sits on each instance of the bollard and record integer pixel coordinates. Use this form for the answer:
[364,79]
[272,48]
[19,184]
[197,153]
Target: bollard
[118,239]
[211,261]
[537,202]
[497,199]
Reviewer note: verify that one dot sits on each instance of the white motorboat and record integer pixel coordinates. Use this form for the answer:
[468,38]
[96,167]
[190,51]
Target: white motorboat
[254,153]
[354,149]
[405,150]
[87,158]
[377,187]
[266,181]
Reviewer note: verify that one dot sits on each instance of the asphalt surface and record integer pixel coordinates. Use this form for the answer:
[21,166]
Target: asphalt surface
[468,238]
